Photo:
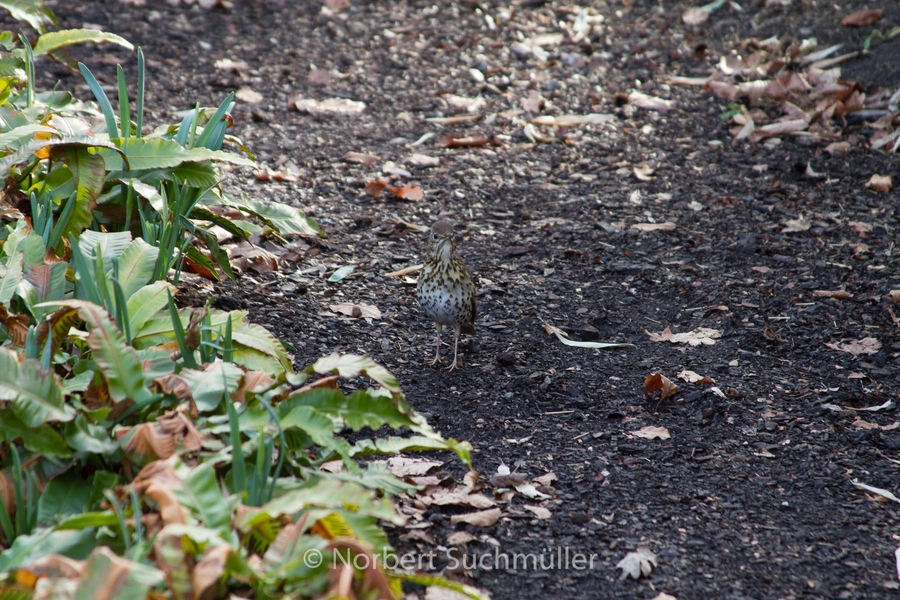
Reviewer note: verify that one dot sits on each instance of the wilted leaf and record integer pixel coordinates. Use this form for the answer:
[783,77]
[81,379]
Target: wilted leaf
[839,294]
[644,173]
[796,225]
[472,141]
[659,382]
[667,226]
[332,106]
[642,100]
[700,335]
[403,466]
[637,563]
[692,377]
[867,345]
[652,433]
[484,518]
[861,18]
[340,273]
[539,511]
[880,183]
[564,338]
[694,16]
[249,95]
[375,187]
[363,159]
[356,311]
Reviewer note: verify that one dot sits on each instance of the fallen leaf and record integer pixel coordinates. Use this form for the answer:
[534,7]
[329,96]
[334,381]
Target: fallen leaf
[875,490]
[861,18]
[539,511]
[363,159]
[637,563]
[472,141]
[868,345]
[644,173]
[337,5]
[402,466]
[894,296]
[319,76]
[880,183]
[564,338]
[652,433]
[546,479]
[409,191]
[423,160]
[375,187]
[357,311]
[642,100]
[693,377]
[335,106]
[664,596]
[700,335]
[667,226]
[656,382]
[694,16]
[249,95]
[839,294]
[340,273]
[471,105]
[796,225]
[458,538]
[484,518]
[861,228]
[573,120]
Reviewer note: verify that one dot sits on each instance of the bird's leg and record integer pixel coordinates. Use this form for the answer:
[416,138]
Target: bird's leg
[437,355]
[456,362]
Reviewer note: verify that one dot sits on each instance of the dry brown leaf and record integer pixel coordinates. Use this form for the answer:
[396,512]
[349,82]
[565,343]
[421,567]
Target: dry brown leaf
[148,442]
[894,296]
[667,226]
[656,382]
[796,225]
[539,511]
[210,569]
[861,18]
[357,311]
[484,518]
[880,183]
[839,294]
[375,187]
[472,141]
[156,481]
[329,106]
[868,345]
[644,173]
[700,335]
[861,228]
[664,596]
[360,158]
[410,191]
[642,100]
[637,563]
[546,479]
[694,16]
[401,466]
[458,538]
[460,496]
[693,377]
[249,95]
[652,433]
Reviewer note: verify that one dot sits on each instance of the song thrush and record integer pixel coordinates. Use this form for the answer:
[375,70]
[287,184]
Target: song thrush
[445,290]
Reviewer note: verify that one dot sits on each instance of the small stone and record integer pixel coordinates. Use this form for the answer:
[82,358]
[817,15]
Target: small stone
[506,359]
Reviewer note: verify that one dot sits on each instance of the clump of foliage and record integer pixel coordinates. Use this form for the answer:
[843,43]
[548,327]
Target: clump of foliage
[173,451]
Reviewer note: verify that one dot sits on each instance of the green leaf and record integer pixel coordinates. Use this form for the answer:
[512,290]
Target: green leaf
[49,281]
[259,338]
[91,438]
[112,245]
[57,39]
[89,175]
[417,443]
[158,330]
[36,396]
[14,136]
[283,218]
[117,360]
[33,12]
[158,153]
[200,492]
[330,494]
[420,578]
[213,384]
[43,439]
[136,266]
[12,275]
[65,495]
[28,548]
[89,519]
[146,302]
[354,365]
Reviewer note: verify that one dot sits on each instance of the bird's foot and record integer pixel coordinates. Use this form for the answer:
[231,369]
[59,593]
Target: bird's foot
[456,364]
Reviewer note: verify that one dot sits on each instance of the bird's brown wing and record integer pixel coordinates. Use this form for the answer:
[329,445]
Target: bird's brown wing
[469,328]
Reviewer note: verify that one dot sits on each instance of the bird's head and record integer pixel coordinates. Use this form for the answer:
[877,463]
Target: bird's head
[441,235]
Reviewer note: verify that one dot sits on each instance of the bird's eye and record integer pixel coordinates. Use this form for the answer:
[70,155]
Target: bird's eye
[435,237]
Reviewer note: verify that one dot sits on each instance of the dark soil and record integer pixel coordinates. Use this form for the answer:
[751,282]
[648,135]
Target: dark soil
[752,495]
